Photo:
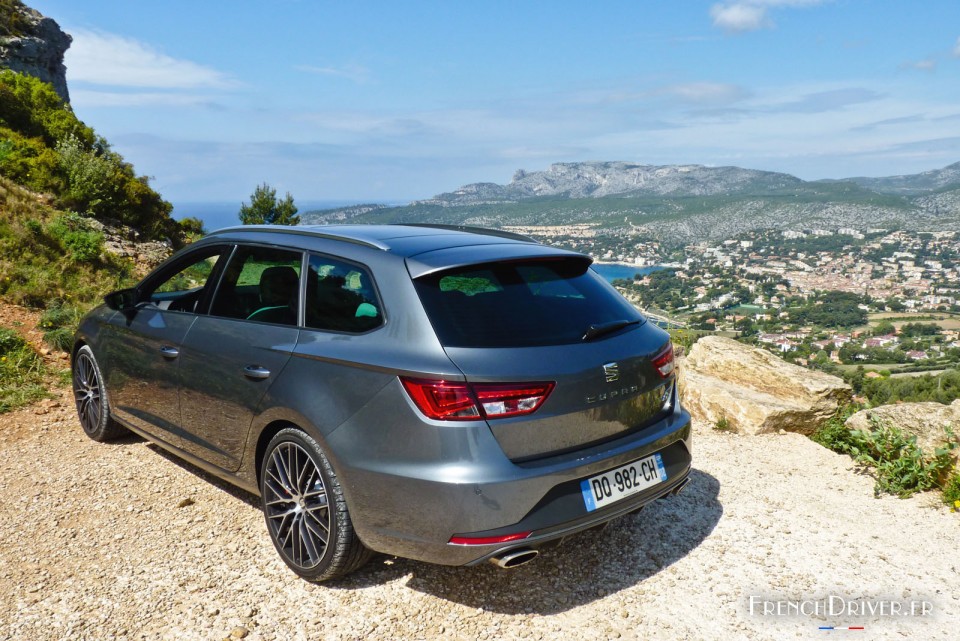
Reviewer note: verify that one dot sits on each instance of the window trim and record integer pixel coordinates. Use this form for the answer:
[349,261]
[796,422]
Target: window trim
[304,254]
[384,320]
[166,271]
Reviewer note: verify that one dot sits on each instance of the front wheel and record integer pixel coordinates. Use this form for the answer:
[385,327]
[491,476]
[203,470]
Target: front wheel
[305,510]
[90,394]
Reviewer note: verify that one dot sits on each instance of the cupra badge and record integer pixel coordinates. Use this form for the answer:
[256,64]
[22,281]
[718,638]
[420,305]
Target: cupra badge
[612,372]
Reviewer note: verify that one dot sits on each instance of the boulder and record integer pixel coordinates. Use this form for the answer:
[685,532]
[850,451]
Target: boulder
[926,421]
[754,390]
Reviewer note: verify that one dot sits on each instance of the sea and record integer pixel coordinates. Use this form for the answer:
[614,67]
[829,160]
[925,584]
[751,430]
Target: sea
[216,215]
[613,271]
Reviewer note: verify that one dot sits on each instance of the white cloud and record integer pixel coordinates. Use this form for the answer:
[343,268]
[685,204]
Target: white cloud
[741,16]
[356,73]
[86,98]
[107,59]
[705,92]
[928,64]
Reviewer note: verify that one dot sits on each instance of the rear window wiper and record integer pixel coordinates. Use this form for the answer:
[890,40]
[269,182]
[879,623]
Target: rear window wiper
[600,329]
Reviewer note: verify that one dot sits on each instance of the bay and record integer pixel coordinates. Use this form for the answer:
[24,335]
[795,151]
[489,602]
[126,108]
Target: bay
[613,271]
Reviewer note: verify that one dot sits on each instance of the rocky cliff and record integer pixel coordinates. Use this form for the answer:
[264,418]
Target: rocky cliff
[679,204]
[33,44]
[600,179]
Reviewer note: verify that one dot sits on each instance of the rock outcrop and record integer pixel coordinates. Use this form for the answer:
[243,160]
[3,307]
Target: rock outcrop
[599,179]
[926,421]
[34,45]
[754,391]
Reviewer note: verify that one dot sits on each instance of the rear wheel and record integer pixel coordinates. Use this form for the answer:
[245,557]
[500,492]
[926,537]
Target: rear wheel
[90,394]
[305,510]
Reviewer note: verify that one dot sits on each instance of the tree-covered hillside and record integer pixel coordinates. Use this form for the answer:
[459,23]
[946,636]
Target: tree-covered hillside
[45,148]
[60,184]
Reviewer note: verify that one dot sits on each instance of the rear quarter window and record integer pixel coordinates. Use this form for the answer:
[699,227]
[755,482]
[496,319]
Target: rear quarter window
[518,304]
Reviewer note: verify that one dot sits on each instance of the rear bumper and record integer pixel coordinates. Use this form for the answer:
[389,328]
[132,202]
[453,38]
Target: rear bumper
[408,495]
[559,531]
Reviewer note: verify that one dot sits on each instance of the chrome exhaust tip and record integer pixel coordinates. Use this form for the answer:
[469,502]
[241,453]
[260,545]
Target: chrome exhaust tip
[514,558]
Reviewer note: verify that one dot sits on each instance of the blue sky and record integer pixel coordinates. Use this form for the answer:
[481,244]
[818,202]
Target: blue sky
[394,101]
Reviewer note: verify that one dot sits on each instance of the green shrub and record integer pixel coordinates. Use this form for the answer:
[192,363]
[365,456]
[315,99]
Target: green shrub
[723,424]
[21,372]
[29,162]
[75,236]
[59,323]
[900,466]
[93,180]
[951,489]
[44,147]
[60,339]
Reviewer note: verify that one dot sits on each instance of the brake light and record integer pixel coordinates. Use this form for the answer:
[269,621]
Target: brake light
[446,401]
[663,362]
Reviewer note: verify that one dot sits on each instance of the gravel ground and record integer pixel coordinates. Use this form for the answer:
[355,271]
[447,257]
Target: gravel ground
[120,541]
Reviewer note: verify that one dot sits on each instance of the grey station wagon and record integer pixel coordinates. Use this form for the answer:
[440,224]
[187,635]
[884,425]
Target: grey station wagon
[451,395]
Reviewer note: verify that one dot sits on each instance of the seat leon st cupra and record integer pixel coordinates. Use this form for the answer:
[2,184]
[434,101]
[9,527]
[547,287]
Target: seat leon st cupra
[451,395]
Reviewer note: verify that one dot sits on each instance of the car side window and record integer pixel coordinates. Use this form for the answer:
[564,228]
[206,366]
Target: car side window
[260,284]
[341,297]
[184,287]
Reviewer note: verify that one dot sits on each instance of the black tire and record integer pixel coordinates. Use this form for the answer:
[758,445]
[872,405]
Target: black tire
[305,511]
[90,394]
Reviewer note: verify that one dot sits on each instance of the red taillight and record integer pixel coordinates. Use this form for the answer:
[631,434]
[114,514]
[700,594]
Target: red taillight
[446,401]
[501,401]
[488,540]
[442,400]
[663,362]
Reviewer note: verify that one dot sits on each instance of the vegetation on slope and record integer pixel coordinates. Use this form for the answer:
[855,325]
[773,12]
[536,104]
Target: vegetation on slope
[49,257]
[44,147]
[13,22]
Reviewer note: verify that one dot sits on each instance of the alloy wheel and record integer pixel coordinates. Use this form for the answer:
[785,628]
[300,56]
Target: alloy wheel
[87,393]
[297,505]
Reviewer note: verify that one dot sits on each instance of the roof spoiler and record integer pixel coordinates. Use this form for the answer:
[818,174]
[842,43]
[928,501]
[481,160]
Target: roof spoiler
[499,233]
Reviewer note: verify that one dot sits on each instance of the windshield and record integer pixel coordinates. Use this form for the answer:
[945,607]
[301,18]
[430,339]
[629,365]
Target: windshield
[523,303]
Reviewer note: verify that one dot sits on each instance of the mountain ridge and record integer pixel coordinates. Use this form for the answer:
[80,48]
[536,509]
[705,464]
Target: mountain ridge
[682,203]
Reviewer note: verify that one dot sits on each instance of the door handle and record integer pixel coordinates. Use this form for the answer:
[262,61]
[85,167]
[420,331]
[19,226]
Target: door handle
[169,352]
[255,371]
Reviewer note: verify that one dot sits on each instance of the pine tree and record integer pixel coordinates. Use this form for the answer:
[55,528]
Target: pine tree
[265,209]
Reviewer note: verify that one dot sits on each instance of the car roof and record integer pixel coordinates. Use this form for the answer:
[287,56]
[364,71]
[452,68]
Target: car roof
[425,248]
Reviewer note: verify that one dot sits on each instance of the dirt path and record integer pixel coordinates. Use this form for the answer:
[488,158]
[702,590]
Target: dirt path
[120,541]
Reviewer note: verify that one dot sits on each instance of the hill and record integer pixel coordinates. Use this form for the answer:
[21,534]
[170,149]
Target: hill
[682,203]
[946,179]
[679,204]
[69,203]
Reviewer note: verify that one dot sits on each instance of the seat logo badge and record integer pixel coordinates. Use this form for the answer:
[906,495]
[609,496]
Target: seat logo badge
[611,372]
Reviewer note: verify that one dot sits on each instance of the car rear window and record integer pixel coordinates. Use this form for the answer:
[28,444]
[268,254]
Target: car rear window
[518,304]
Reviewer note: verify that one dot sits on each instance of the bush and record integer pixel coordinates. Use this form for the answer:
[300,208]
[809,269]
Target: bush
[951,489]
[900,466]
[21,372]
[59,324]
[93,180]
[723,424]
[75,236]
[44,147]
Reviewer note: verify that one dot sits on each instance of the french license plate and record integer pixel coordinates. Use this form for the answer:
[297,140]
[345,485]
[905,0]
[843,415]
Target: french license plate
[626,480]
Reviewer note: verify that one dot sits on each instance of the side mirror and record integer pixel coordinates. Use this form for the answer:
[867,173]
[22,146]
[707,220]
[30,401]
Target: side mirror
[122,300]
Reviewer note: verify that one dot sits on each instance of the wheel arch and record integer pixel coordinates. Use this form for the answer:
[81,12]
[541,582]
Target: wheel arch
[263,439]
